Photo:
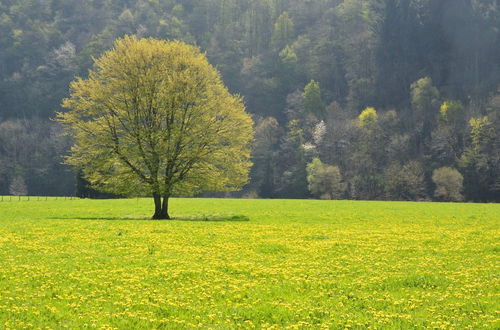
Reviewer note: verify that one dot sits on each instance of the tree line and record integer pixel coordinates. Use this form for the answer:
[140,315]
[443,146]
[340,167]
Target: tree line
[381,99]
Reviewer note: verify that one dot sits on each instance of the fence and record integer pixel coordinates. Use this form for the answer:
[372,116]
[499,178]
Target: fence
[11,198]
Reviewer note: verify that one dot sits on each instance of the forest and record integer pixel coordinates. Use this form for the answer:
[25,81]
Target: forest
[351,99]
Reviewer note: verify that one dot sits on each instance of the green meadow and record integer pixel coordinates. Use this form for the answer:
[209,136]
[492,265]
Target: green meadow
[249,264]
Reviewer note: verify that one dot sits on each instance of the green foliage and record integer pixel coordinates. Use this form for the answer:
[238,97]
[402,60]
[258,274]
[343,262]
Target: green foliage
[324,181]
[31,158]
[283,31]
[424,103]
[368,117]
[405,182]
[452,112]
[288,57]
[361,93]
[449,184]
[154,118]
[423,96]
[481,160]
[367,160]
[264,156]
[482,132]
[288,66]
[296,264]
[312,100]
[294,176]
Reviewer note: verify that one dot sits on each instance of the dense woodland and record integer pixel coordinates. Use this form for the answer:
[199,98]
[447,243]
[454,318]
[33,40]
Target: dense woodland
[357,99]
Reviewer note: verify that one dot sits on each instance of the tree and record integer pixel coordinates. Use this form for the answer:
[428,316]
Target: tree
[293,161]
[154,118]
[480,162]
[367,158]
[283,31]
[424,97]
[264,156]
[324,180]
[405,182]
[447,142]
[448,183]
[18,187]
[452,112]
[368,117]
[312,100]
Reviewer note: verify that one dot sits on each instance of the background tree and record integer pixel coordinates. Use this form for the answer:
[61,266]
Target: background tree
[293,173]
[367,158]
[264,156]
[283,31]
[368,118]
[17,187]
[452,112]
[324,181]
[424,103]
[448,139]
[449,184]
[405,182]
[481,160]
[312,100]
[154,118]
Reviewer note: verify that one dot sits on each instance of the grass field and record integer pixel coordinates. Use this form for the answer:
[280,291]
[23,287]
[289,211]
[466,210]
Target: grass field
[249,263]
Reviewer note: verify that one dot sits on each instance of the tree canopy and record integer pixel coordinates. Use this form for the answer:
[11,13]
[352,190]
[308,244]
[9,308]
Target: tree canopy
[154,118]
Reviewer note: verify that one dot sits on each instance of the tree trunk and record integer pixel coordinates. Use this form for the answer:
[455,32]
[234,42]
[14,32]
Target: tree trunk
[164,208]
[157,199]
[161,209]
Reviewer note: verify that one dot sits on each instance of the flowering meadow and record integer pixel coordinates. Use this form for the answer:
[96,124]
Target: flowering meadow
[224,263]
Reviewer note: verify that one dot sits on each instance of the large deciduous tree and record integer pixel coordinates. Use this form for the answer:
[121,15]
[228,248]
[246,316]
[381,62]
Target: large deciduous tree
[154,118]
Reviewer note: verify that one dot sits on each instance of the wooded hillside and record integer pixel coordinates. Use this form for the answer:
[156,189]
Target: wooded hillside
[378,99]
